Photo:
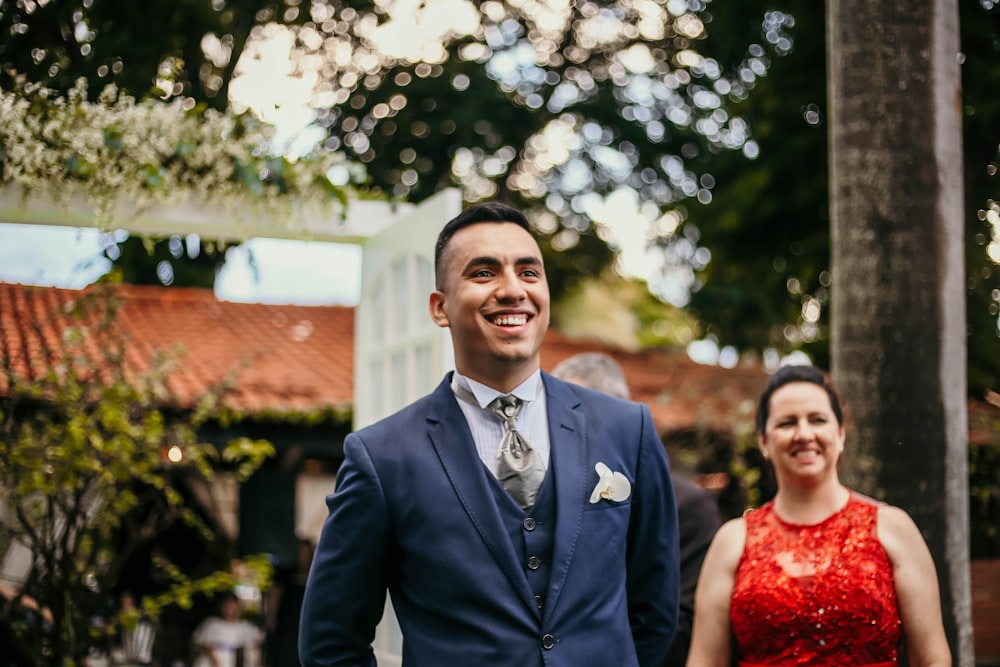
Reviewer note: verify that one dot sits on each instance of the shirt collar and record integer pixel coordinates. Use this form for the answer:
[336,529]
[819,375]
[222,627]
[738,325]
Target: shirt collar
[527,391]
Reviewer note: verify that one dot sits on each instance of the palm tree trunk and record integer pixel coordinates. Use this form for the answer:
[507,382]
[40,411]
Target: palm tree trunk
[898,308]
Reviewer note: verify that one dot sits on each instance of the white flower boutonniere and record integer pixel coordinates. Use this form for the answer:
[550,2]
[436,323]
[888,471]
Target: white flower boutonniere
[610,485]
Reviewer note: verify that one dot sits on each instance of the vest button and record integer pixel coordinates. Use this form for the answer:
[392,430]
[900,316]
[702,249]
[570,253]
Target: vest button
[533,563]
[548,641]
[529,523]
[539,601]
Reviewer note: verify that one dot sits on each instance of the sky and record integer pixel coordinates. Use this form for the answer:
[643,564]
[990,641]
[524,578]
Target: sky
[299,272]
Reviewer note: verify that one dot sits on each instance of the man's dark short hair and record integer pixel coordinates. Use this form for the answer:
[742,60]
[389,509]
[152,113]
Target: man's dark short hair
[487,212]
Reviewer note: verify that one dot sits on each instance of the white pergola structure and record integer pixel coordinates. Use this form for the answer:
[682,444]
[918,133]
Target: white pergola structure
[400,354]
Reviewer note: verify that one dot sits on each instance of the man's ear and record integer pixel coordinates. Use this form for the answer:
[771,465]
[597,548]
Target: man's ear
[436,308]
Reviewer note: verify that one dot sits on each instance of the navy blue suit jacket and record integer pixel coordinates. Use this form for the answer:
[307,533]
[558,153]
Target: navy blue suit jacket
[413,513]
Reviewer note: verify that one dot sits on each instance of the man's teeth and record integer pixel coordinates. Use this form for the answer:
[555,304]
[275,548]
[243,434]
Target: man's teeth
[510,320]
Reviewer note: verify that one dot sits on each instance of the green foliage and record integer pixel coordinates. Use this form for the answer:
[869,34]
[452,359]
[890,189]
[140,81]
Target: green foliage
[85,482]
[622,313]
[184,590]
[751,478]
[145,48]
[551,109]
[984,505]
[245,455]
[553,112]
[144,261]
[767,227]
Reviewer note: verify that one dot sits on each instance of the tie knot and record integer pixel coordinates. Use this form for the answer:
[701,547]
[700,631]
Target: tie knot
[507,407]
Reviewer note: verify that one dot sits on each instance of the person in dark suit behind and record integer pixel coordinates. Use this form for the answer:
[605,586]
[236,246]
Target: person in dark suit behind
[485,566]
[698,513]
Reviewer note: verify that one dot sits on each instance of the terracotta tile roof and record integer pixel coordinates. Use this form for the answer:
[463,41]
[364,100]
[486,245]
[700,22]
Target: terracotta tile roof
[297,358]
[301,358]
[681,393]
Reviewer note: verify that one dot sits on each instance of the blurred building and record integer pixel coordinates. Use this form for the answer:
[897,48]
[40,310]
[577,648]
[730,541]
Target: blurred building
[292,370]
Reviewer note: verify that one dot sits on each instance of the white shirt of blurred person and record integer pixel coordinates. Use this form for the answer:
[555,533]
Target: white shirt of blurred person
[227,640]
[136,635]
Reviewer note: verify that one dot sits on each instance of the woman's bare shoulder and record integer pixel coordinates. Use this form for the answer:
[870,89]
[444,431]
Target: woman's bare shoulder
[898,533]
[729,540]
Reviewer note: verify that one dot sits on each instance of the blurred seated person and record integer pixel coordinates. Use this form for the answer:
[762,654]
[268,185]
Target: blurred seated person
[135,639]
[227,640]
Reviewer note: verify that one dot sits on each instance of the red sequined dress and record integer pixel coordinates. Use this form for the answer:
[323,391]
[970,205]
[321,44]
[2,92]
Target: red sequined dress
[819,595]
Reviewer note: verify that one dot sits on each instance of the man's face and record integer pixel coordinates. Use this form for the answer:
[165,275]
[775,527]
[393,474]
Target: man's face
[495,299]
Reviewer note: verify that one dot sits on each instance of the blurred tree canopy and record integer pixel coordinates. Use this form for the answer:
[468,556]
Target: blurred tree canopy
[767,226]
[178,49]
[713,113]
[165,49]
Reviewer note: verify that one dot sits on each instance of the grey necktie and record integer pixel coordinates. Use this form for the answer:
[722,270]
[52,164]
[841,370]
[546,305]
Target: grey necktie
[517,465]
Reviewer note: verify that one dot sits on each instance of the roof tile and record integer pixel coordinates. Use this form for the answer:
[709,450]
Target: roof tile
[293,358]
[301,358]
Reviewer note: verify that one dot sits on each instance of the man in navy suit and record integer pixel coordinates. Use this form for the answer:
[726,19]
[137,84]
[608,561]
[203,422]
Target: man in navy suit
[585,572]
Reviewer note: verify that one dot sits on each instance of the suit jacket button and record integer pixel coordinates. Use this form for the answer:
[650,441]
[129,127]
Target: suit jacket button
[529,523]
[534,563]
[548,641]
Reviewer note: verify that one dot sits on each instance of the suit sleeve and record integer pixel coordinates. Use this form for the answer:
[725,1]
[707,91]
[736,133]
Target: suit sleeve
[653,578]
[698,519]
[345,592]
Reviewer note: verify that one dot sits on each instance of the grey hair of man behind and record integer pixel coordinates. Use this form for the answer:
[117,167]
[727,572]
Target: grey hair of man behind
[595,370]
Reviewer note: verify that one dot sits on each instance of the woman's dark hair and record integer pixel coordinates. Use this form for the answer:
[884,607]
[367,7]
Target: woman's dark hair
[796,373]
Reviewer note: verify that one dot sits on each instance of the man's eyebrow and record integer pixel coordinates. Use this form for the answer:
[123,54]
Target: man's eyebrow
[484,260]
[488,260]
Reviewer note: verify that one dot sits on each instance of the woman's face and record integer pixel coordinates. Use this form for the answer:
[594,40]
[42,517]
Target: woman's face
[802,437]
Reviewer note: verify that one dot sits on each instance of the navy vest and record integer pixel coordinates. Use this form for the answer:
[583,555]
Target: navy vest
[532,533]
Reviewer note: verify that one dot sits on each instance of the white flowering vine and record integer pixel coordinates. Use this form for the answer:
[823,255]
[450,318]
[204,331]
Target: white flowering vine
[124,156]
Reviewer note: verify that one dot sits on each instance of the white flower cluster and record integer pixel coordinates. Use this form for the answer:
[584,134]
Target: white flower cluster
[116,151]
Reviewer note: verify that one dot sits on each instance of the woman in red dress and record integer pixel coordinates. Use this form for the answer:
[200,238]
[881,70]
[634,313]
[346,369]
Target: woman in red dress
[821,575]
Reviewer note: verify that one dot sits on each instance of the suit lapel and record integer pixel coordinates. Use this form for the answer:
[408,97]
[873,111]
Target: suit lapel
[452,440]
[568,443]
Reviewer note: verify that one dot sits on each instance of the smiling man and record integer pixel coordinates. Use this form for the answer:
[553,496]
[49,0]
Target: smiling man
[485,508]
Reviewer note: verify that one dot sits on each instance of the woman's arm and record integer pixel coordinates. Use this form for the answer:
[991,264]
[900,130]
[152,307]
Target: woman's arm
[710,641]
[917,591]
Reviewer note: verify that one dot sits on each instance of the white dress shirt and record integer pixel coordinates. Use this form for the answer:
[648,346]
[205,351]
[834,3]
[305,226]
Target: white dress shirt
[486,427]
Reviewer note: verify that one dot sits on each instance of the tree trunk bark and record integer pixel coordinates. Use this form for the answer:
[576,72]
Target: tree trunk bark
[898,299]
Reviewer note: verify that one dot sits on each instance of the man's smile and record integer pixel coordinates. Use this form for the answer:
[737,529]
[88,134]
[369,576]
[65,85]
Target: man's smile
[509,320]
